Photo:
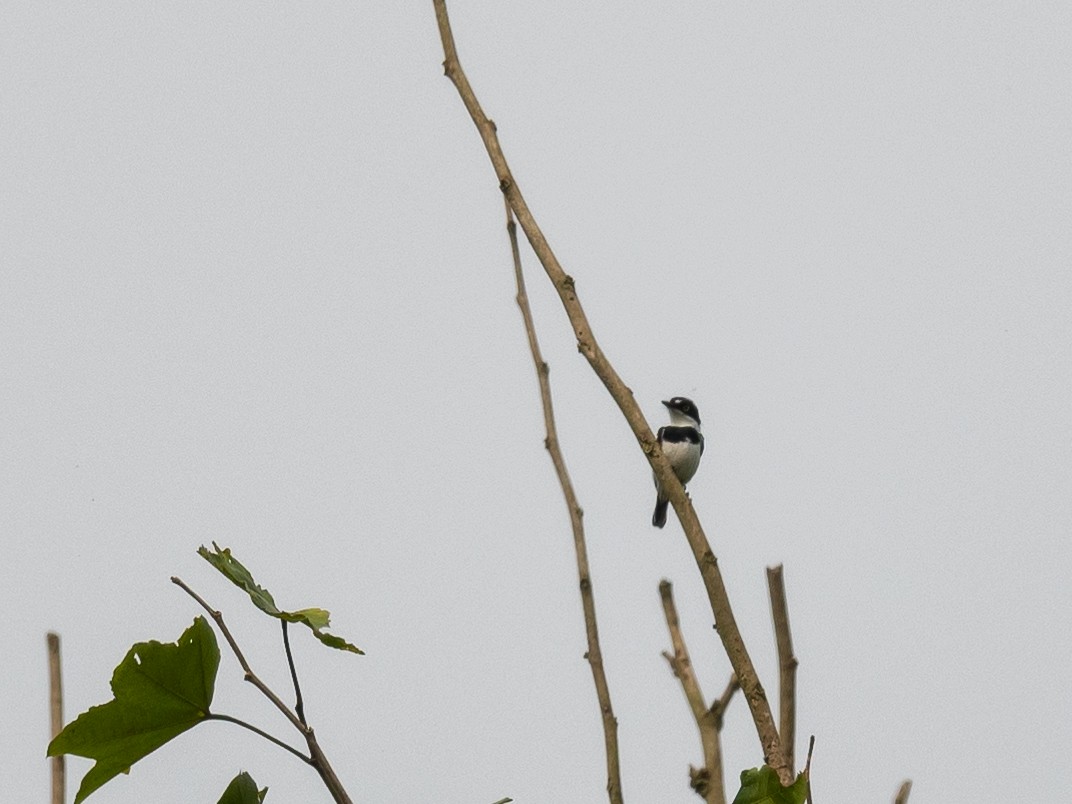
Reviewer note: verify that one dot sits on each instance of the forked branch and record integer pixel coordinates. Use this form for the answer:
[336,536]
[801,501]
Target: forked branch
[316,757]
[564,285]
[707,781]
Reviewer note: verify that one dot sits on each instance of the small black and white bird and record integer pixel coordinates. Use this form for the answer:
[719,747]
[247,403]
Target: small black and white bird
[682,443]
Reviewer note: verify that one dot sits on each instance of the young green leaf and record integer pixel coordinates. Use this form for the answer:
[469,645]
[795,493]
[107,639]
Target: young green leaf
[233,570]
[243,790]
[761,786]
[160,690]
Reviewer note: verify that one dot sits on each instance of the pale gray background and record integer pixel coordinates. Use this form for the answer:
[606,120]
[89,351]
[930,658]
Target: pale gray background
[255,289]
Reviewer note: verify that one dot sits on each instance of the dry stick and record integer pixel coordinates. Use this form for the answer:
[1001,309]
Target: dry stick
[55,709]
[586,344]
[708,780]
[902,794]
[787,663]
[594,655]
[316,755]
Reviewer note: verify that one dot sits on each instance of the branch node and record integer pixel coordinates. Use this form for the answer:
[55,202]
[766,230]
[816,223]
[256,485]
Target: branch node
[700,780]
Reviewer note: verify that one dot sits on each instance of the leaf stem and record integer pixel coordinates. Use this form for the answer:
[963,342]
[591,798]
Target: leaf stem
[262,733]
[299,706]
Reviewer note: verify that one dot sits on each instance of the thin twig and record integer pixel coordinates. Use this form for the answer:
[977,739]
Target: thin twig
[250,676]
[902,794]
[564,285]
[707,781]
[55,709]
[719,706]
[807,765]
[318,759]
[594,655]
[787,663]
[299,706]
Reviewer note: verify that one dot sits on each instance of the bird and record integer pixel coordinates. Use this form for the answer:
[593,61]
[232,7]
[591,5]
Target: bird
[682,443]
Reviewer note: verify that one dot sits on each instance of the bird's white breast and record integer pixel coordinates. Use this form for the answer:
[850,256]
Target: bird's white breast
[684,457]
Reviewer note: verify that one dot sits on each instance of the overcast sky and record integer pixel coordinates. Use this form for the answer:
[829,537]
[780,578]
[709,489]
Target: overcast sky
[255,288]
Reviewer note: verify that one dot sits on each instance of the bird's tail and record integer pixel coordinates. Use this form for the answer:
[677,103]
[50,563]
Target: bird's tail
[658,519]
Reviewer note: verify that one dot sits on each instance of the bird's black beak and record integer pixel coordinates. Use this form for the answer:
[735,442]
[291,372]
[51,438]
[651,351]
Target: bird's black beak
[666,403]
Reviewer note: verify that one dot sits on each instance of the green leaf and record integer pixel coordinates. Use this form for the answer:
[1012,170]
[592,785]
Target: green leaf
[160,692]
[243,790]
[761,786]
[316,619]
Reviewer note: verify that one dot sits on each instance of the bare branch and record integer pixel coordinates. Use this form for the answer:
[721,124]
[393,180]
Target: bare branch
[787,663]
[705,558]
[680,662]
[594,655]
[707,781]
[902,794]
